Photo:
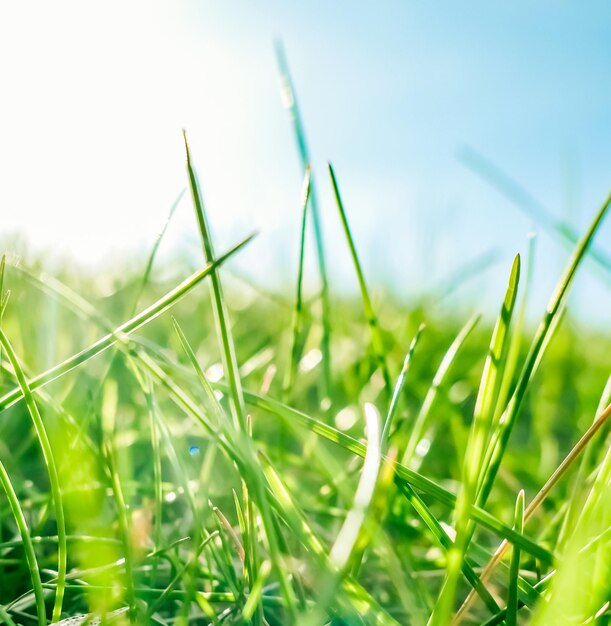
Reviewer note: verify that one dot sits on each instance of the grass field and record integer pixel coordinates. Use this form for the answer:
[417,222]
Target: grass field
[231,456]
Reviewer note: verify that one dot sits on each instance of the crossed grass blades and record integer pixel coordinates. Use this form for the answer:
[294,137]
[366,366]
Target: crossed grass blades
[274,464]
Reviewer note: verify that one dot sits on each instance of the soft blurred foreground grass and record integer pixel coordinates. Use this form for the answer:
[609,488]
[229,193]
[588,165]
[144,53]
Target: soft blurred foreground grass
[298,459]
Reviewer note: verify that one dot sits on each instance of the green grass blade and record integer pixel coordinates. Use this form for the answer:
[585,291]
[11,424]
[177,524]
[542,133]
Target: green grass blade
[511,618]
[124,329]
[154,250]
[221,315]
[444,540]
[421,421]
[297,326]
[399,387]
[109,409]
[28,546]
[377,343]
[290,101]
[540,341]
[49,458]
[476,445]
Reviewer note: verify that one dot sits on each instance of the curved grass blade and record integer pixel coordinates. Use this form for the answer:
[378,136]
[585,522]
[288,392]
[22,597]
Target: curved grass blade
[149,314]
[290,101]
[28,546]
[377,343]
[49,458]
[347,537]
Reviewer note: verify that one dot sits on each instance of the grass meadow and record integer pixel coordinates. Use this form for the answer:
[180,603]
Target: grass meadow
[206,452]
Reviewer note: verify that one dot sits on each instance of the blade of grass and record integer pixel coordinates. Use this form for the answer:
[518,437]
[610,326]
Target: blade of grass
[109,409]
[297,330]
[476,445]
[399,388]
[444,540]
[539,343]
[290,101]
[511,618]
[346,539]
[421,421]
[124,329]
[377,344]
[221,316]
[28,546]
[49,459]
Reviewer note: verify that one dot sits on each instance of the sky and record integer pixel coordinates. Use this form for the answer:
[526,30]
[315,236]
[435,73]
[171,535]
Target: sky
[95,94]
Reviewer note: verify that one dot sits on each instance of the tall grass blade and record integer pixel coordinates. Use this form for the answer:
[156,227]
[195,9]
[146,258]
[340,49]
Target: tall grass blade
[297,326]
[377,343]
[290,102]
[388,422]
[421,422]
[49,458]
[221,315]
[476,445]
[542,336]
[28,546]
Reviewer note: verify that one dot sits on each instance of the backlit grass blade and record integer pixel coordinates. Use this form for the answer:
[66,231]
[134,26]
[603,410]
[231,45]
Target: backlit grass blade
[289,99]
[540,341]
[221,315]
[581,585]
[28,546]
[476,446]
[297,326]
[49,458]
[346,539]
[149,314]
[512,595]
[388,422]
[377,343]
[109,409]
[421,422]
[528,204]
[154,250]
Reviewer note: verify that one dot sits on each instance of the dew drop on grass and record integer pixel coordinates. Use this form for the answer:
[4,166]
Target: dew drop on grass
[194,450]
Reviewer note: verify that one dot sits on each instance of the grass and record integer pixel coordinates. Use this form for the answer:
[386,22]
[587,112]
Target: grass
[196,468]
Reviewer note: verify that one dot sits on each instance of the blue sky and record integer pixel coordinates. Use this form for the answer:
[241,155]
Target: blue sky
[95,95]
